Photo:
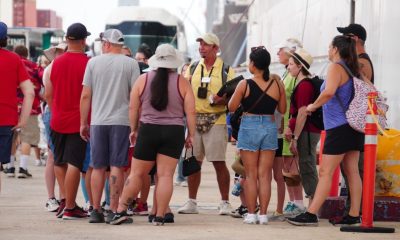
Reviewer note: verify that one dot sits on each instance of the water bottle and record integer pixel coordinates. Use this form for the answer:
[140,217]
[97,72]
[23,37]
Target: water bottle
[237,188]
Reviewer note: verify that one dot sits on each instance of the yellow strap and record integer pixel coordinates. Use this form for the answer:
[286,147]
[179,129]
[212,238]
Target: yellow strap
[378,125]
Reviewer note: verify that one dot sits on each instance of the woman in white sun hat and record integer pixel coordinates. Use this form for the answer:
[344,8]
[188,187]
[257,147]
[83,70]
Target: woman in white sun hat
[163,97]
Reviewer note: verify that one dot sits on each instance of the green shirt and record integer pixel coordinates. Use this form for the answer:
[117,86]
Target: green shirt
[289,83]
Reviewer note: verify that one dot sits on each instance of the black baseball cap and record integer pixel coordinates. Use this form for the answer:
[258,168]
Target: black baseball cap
[77,31]
[355,29]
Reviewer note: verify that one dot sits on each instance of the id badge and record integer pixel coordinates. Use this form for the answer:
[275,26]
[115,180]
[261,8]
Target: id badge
[206,80]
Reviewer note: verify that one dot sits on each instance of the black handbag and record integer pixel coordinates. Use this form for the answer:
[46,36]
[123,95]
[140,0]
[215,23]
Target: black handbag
[190,165]
[236,117]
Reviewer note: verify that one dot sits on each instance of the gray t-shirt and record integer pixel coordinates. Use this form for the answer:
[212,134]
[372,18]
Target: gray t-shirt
[111,77]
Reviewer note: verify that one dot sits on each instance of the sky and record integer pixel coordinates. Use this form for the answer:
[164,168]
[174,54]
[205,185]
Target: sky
[93,13]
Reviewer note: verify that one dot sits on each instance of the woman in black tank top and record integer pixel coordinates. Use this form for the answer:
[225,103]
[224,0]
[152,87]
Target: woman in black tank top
[258,135]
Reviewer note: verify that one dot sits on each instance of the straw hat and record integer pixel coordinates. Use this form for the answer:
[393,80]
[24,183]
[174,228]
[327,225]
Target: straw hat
[166,56]
[50,53]
[303,57]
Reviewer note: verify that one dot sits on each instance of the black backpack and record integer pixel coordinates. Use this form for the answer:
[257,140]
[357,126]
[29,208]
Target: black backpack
[316,117]
[224,73]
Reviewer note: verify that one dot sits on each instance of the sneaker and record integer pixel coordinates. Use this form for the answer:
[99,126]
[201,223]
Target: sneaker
[23,173]
[304,219]
[239,212]
[287,209]
[151,218]
[169,218]
[96,217]
[89,210]
[250,219]
[10,172]
[262,219]
[158,221]
[105,206]
[120,218]
[190,207]
[75,213]
[61,207]
[52,205]
[346,220]
[43,162]
[183,184]
[130,209]
[225,208]
[141,209]
[276,217]
[38,163]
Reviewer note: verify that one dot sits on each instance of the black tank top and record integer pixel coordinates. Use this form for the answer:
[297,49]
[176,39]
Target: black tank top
[265,106]
[366,56]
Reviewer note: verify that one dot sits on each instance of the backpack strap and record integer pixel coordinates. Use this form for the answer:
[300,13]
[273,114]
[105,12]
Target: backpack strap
[224,73]
[193,67]
[346,68]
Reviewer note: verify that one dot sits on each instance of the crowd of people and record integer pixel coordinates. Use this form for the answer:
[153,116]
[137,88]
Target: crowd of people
[119,121]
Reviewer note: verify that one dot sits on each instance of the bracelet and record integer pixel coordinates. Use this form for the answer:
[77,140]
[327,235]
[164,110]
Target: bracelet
[294,137]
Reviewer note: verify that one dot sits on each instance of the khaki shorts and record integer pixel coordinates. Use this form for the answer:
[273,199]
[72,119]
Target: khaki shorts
[31,132]
[211,144]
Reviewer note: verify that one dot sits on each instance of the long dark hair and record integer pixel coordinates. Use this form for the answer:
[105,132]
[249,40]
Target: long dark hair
[347,51]
[159,90]
[261,60]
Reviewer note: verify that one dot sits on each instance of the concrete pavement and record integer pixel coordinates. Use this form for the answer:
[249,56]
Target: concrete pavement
[22,216]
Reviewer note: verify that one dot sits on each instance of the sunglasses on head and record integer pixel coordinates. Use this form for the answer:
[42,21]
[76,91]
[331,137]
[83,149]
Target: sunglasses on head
[257,48]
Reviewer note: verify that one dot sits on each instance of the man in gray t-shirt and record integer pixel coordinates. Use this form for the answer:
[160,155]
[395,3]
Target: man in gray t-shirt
[107,84]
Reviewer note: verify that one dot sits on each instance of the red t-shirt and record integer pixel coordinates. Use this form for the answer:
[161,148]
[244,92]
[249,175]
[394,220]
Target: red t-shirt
[303,96]
[66,77]
[12,73]
[33,72]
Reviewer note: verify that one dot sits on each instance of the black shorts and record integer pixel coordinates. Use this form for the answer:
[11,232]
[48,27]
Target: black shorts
[156,139]
[342,139]
[278,152]
[68,148]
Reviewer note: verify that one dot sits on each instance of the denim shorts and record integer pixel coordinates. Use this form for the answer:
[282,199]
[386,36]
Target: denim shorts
[46,116]
[257,132]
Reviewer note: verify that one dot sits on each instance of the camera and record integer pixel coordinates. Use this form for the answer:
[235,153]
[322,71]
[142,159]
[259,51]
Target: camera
[202,92]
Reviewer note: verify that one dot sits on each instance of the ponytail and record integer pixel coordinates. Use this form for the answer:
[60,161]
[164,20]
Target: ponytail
[347,51]
[159,90]
[266,74]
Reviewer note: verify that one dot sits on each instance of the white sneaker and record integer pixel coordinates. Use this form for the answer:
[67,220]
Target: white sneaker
[52,205]
[43,162]
[276,217]
[184,184]
[190,207]
[38,163]
[296,210]
[262,219]
[250,219]
[225,208]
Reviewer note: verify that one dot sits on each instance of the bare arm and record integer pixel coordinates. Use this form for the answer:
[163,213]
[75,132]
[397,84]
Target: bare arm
[48,92]
[86,98]
[282,98]
[29,94]
[134,106]
[237,96]
[190,111]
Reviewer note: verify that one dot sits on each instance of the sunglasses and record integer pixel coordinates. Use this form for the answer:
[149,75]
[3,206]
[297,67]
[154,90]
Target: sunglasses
[258,48]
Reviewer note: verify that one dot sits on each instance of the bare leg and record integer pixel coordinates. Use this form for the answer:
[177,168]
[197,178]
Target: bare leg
[250,162]
[49,175]
[133,184]
[116,185]
[72,179]
[60,172]
[265,163]
[281,189]
[88,178]
[350,165]
[97,185]
[165,172]
[223,179]
[194,184]
[329,164]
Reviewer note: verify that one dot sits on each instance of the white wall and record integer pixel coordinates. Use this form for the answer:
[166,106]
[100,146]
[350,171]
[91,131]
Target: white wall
[381,19]
[271,21]
[6,13]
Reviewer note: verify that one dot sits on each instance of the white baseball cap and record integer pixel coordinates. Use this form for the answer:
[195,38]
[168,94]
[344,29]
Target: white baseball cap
[209,38]
[290,44]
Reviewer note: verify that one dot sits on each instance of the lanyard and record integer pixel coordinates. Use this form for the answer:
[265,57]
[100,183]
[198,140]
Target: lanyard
[202,75]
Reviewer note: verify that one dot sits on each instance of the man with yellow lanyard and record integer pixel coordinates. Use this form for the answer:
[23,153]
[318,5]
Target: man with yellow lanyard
[207,77]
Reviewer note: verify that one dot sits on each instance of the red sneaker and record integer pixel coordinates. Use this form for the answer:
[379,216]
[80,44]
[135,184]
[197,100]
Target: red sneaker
[60,211]
[75,213]
[141,209]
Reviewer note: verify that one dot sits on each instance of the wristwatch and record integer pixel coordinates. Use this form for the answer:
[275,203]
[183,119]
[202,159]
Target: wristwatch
[294,137]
